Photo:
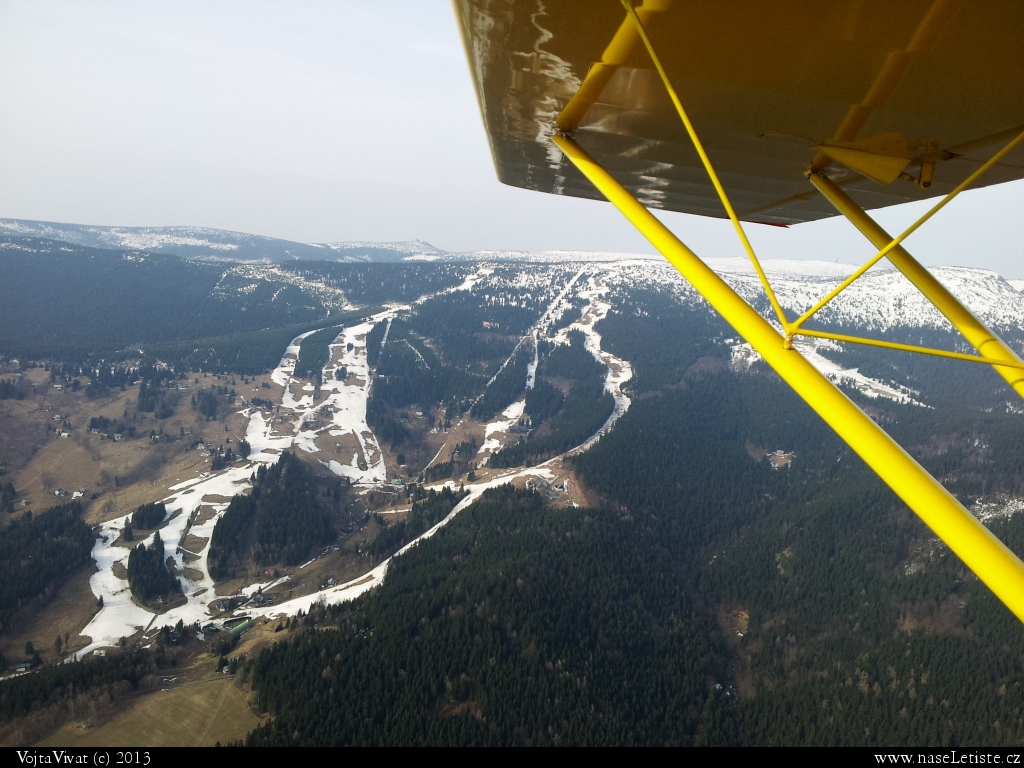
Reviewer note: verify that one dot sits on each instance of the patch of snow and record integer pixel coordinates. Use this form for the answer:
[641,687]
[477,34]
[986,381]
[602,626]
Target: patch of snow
[1000,508]
[511,415]
[531,367]
[744,355]
[808,347]
[470,282]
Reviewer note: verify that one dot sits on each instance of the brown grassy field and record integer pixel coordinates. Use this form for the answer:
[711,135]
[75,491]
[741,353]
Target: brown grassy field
[68,613]
[123,474]
[192,715]
[203,706]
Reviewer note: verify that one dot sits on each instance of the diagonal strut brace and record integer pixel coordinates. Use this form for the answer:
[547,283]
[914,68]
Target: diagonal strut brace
[990,559]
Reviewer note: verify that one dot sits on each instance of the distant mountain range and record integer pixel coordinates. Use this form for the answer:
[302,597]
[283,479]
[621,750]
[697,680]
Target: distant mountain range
[881,299]
[206,243]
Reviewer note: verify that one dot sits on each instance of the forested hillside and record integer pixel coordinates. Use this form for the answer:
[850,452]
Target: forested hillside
[38,553]
[809,594]
[562,420]
[193,314]
[279,521]
[750,581]
[716,567]
[148,575]
[120,298]
[516,624]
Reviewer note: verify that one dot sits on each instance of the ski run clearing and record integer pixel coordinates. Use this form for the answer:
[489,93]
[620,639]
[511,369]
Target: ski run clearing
[307,414]
[329,423]
[744,355]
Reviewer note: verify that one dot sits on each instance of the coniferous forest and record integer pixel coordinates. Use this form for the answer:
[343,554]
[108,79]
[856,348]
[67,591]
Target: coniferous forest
[713,599]
[562,420]
[733,574]
[148,516]
[433,507]
[314,353]
[38,553]
[515,624]
[279,521]
[148,575]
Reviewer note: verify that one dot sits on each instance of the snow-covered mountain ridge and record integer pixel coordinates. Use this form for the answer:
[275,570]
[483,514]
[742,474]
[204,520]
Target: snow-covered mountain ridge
[191,242]
[880,300]
[208,243]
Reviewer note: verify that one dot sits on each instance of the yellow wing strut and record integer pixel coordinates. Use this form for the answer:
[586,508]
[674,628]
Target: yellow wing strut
[827,187]
[980,337]
[706,162]
[981,551]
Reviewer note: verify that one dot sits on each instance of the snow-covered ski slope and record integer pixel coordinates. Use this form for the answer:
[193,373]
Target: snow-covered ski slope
[195,505]
[316,420]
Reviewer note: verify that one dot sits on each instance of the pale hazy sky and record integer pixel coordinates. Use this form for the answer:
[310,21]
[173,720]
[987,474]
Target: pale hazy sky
[323,121]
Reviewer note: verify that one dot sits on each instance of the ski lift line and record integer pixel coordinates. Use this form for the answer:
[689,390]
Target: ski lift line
[557,302]
[509,360]
[417,353]
[532,334]
[706,161]
[965,535]
[814,175]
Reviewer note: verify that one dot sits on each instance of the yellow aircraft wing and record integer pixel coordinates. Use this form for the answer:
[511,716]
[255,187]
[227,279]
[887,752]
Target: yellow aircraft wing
[880,87]
[749,109]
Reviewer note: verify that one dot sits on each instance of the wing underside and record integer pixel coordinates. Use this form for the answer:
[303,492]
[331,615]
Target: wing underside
[872,89]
